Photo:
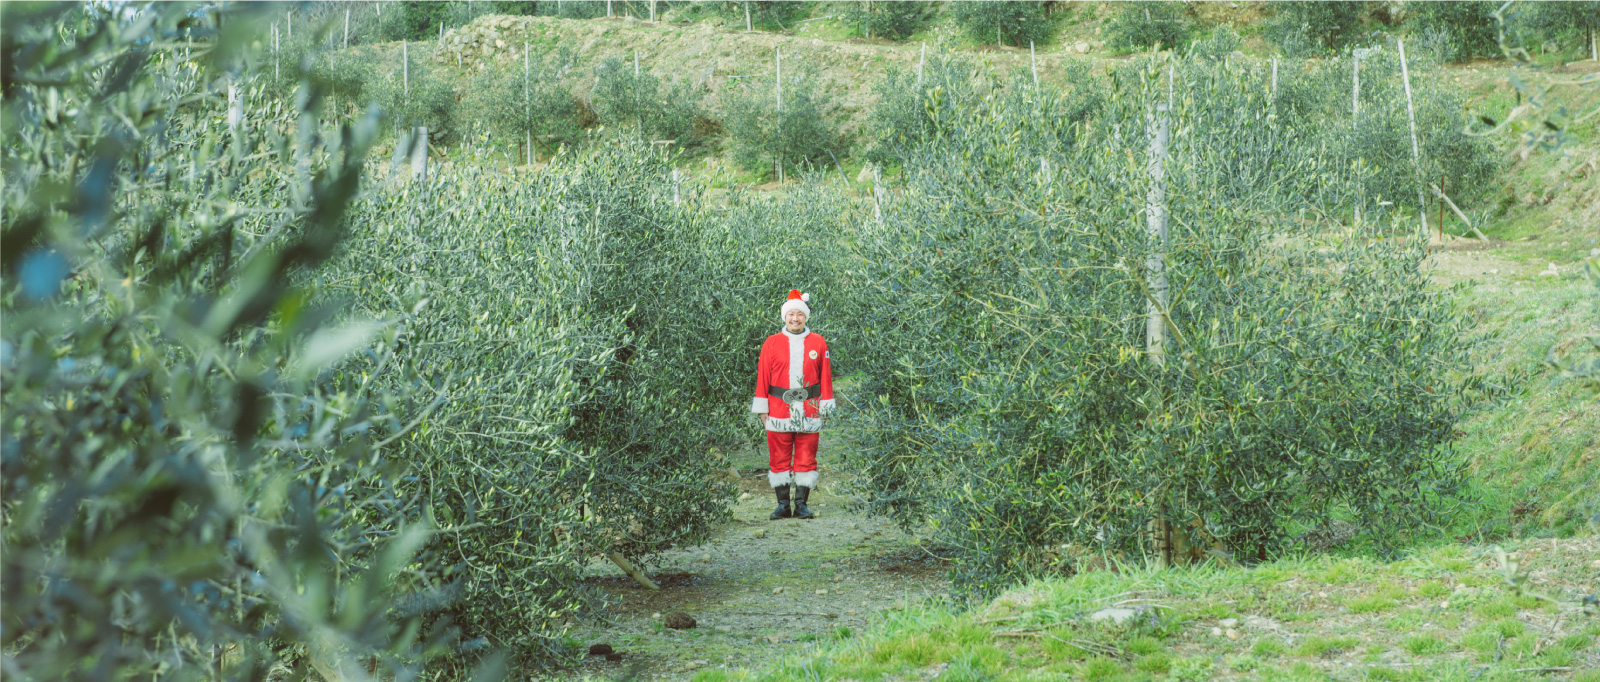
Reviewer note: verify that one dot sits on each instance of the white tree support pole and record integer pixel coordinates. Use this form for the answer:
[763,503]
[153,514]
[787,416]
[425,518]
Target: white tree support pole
[747,28]
[1416,156]
[235,107]
[675,186]
[1355,89]
[1156,225]
[347,28]
[527,104]
[1274,77]
[778,93]
[1033,63]
[276,63]
[288,21]
[921,62]
[405,73]
[1594,49]
[419,153]
[877,195]
[652,11]
[636,66]
[1155,267]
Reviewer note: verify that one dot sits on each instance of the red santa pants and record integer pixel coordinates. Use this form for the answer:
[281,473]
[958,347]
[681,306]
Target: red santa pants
[803,445]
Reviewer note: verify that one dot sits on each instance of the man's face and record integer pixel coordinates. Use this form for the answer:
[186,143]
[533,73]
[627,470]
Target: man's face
[795,321]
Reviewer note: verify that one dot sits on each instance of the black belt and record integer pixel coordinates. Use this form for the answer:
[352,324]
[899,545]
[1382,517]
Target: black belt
[794,395]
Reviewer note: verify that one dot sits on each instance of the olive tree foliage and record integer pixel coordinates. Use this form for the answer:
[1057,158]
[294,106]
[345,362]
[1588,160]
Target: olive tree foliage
[891,19]
[410,95]
[598,373]
[661,110]
[196,475]
[1316,27]
[798,134]
[1019,415]
[515,102]
[1005,23]
[1139,26]
[1469,28]
[907,103]
[1314,100]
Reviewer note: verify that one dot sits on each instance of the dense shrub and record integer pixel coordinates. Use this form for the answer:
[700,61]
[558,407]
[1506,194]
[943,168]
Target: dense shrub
[412,19]
[764,15]
[586,371]
[413,96]
[516,102]
[661,111]
[1138,26]
[907,105]
[191,466]
[1315,95]
[888,19]
[1220,42]
[1006,23]
[1304,29]
[1020,419]
[801,133]
[1470,26]
[1573,24]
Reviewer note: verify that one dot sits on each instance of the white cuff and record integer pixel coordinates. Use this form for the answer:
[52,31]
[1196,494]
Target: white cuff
[805,479]
[778,480]
[827,406]
[759,405]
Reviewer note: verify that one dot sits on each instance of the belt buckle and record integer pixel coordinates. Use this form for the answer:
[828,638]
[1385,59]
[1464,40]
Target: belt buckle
[794,395]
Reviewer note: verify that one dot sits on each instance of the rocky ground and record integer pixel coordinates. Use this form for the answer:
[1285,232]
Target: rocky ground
[761,588]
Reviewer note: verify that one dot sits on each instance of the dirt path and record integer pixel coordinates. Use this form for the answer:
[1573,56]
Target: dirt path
[761,587]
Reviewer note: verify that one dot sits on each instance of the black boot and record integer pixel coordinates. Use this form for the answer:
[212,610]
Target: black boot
[782,512]
[800,511]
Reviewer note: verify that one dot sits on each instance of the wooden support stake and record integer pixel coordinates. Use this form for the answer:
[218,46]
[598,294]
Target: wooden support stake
[632,571]
[1453,209]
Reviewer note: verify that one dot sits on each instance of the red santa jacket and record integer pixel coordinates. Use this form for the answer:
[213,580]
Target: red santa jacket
[781,354]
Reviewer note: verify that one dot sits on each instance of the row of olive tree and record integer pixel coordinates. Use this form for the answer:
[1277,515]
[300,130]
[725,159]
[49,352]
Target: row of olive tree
[1012,404]
[195,485]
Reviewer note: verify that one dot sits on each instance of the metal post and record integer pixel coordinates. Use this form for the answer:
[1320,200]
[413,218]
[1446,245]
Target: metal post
[1416,156]
[747,16]
[347,28]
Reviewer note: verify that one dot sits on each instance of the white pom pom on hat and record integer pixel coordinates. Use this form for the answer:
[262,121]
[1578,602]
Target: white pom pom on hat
[797,301]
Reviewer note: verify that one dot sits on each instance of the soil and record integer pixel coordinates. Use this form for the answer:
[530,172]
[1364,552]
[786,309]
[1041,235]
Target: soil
[761,588]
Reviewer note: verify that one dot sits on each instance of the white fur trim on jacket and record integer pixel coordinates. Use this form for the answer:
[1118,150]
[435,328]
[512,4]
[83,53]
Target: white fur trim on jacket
[759,405]
[805,479]
[779,479]
[826,406]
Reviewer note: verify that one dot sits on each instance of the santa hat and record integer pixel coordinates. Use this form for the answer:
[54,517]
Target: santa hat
[797,301]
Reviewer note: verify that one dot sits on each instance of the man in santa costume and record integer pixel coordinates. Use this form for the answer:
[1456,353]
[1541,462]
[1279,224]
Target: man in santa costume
[794,388]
